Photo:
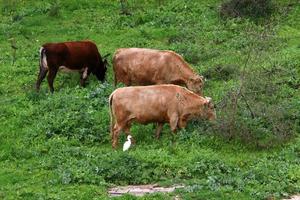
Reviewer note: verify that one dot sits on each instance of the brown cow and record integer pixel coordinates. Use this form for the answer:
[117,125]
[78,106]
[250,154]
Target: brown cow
[138,66]
[157,103]
[82,56]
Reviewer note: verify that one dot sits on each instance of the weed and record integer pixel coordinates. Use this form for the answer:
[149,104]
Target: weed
[57,146]
[246,8]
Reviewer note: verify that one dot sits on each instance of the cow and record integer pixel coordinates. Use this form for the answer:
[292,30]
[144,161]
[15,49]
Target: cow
[140,66]
[81,56]
[166,103]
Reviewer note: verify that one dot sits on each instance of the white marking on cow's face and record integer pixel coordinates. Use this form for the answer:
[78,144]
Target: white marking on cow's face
[84,75]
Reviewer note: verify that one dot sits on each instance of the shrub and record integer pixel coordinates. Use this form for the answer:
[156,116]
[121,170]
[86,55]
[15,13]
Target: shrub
[246,8]
[71,116]
[54,9]
[124,8]
[9,6]
[77,166]
[191,53]
[221,72]
[258,111]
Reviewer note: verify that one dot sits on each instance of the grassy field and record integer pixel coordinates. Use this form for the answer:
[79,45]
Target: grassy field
[57,146]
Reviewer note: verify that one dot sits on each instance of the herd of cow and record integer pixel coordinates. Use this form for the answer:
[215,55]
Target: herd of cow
[154,76]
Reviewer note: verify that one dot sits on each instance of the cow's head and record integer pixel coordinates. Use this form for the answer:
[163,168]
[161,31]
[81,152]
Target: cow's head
[100,72]
[209,111]
[195,84]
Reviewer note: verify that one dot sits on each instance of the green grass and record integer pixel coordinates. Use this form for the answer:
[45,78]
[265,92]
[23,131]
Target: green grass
[58,146]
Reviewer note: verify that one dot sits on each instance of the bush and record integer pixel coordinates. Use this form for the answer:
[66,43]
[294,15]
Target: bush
[66,114]
[221,72]
[8,6]
[77,166]
[54,10]
[246,8]
[258,111]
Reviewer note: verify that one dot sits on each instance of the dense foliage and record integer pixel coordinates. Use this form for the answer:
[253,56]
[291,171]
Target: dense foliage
[58,146]
[246,8]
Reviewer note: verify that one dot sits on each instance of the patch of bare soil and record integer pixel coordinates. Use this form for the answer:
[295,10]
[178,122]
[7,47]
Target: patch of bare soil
[140,190]
[295,197]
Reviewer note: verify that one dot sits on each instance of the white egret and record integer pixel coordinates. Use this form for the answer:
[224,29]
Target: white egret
[127,144]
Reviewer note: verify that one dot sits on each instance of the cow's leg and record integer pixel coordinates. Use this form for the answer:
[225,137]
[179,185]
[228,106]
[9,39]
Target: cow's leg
[118,127]
[41,76]
[51,75]
[84,75]
[115,135]
[173,122]
[158,130]
[82,81]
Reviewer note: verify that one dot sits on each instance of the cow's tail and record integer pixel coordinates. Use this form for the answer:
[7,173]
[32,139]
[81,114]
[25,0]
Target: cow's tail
[43,68]
[112,118]
[114,61]
[42,55]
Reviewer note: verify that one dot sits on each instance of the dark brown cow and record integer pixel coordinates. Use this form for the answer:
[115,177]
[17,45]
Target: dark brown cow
[82,56]
[156,104]
[139,66]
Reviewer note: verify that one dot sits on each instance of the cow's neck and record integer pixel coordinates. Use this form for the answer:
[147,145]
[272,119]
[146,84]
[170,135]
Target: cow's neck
[191,106]
[185,73]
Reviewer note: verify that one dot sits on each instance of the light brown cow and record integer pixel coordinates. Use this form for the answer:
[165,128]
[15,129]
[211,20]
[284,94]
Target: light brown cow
[158,103]
[138,66]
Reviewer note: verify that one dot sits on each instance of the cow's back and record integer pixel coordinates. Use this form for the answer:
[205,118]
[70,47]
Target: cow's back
[139,66]
[56,53]
[73,55]
[84,52]
[146,103]
[85,49]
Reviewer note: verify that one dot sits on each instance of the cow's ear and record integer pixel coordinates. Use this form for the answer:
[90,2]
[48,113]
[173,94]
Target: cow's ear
[202,78]
[208,99]
[192,78]
[197,78]
[208,102]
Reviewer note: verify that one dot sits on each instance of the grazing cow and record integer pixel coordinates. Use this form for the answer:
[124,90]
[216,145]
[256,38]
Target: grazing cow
[156,104]
[138,66]
[82,56]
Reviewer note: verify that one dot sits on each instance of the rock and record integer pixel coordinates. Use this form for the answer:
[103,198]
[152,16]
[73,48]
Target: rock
[140,190]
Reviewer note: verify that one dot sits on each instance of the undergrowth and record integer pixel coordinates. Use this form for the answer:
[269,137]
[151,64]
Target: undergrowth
[58,146]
